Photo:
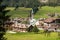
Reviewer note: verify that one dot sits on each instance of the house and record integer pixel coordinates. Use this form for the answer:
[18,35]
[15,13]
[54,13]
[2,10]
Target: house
[48,23]
[49,20]
[19,27]
[16,25]
[53,23]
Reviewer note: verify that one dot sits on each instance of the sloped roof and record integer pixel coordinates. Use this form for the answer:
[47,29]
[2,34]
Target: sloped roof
[49,20]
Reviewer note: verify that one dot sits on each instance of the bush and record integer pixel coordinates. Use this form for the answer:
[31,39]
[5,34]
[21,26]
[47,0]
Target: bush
[35,29]
[30,28]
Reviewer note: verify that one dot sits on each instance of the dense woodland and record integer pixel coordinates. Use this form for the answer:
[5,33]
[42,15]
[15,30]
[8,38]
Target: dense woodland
[30,3]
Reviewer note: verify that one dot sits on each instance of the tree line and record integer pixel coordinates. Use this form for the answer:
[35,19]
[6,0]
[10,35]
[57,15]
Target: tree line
[30,3]
[21,3]
[3,20]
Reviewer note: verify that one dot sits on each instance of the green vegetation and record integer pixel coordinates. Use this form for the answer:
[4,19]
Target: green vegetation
[24,12]
[3,19]
[31,3]
[20,12]
[21,3]
[30,29]
[32,36]
[35,29]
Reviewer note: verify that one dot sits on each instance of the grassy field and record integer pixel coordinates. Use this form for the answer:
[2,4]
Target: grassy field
[32,36]
[24,12]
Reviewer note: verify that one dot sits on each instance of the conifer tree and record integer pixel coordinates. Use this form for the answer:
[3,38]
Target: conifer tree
[3,19]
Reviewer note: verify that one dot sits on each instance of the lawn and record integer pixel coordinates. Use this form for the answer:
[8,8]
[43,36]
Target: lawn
[32,36]
[24,12]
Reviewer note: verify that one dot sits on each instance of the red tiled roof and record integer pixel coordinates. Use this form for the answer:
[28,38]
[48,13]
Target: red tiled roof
[49,20]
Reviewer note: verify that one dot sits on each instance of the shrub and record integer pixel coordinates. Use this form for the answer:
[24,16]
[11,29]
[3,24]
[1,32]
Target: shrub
[35,29]
[30,28]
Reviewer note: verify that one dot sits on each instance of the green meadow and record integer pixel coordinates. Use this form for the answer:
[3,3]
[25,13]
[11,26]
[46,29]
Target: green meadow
[32,36]
[24,12]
